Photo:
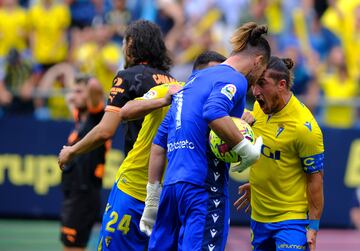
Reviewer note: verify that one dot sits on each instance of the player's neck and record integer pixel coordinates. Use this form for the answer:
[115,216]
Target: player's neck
[83,114]
[284,100]
[240,63]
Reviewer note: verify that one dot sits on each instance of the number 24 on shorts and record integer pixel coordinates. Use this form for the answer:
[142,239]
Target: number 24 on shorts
[123,225]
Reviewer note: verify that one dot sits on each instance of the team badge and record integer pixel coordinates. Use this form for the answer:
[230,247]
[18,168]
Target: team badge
[279,130]
[229,91]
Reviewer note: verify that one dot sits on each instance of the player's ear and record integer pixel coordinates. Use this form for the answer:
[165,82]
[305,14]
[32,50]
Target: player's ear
[282,84]
[258,60]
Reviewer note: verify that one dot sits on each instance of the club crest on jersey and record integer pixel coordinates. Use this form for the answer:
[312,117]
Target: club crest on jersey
[279,130]
[229,91]
[150,94]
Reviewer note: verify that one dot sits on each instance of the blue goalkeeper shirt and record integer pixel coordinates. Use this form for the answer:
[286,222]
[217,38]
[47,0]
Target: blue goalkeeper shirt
[208,95]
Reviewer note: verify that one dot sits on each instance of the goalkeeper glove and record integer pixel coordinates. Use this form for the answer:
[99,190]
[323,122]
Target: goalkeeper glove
[248,152]
[148,217]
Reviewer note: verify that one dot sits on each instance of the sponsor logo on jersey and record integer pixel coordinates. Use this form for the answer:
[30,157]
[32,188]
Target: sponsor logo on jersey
[308,125]
[269,153]
[229,91]
[182,144]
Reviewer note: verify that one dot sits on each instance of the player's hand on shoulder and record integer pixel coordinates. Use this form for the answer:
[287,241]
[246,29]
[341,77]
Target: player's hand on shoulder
[248,152]
[248,117]
[65,156]
[173,89]
[244,200]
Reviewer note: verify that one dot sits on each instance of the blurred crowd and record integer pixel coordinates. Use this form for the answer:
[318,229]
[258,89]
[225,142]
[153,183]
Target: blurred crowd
[45,43]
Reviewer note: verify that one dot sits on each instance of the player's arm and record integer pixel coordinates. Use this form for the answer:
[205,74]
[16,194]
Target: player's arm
[95,138]
[315,194]
[311,151]
[119,95]
[155,172]
[152,100]
[316,204]
[222,100]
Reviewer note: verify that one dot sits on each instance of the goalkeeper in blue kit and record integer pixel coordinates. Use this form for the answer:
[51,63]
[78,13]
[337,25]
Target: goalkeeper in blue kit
[193,212]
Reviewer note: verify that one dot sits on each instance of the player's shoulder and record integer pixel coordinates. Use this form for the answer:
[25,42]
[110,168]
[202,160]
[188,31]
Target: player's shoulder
[230,72]
[305,120]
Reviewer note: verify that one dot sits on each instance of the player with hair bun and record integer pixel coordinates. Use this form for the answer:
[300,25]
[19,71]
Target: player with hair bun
[193,211]
[286,184]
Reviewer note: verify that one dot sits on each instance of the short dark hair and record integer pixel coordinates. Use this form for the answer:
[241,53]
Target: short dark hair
[280,68]
[206,57]
[146,45]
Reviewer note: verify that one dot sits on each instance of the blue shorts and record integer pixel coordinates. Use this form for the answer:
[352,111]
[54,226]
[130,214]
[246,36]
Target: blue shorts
[120,225]
[190,217]
[287,235]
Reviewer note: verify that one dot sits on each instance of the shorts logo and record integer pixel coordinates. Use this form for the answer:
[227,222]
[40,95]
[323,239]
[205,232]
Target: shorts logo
[215,217]
[213,232]
[150,94]
[214,189]
[107,241]
[216,202]
[211,247]
[216,176]
[292,246]
[216,162]
[229,91]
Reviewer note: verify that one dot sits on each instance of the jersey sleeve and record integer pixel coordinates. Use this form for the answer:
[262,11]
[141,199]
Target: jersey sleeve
[119,93]
[223,98]
[162,133]
[155,92]
[310,147]
[238,108]
[159,91]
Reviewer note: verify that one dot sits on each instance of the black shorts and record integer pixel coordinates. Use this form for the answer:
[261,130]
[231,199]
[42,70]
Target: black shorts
[80,210]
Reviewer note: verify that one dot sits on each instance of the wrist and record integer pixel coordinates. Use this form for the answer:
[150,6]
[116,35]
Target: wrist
[153,191]
[241,146]
[72,150]
[314,225]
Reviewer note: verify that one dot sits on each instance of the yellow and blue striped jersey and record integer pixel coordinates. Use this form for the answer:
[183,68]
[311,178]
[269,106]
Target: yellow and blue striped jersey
[292,147]
[132,176]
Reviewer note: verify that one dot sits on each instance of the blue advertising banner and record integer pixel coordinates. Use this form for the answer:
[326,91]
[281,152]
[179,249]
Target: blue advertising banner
[30,176]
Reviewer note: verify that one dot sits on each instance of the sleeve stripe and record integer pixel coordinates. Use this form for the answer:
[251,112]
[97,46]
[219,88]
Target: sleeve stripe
[111,108]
